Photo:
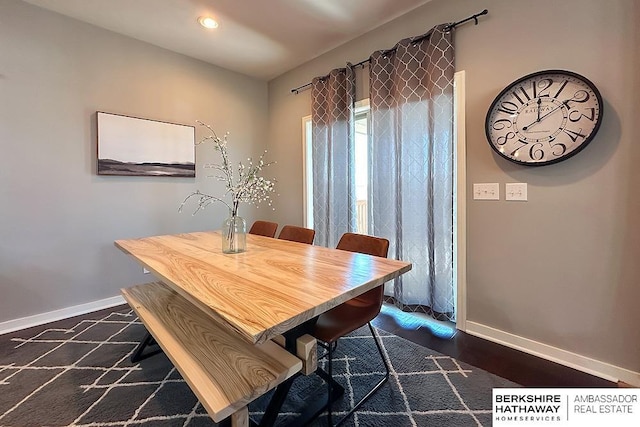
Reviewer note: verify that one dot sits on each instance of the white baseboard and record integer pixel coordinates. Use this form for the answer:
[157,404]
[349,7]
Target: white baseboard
[554,354]
[52,316]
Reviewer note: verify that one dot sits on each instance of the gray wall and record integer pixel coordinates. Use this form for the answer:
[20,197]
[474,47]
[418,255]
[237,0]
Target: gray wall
[58,219]
[562,268]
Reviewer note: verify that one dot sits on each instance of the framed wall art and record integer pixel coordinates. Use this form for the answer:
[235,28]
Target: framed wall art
[142,147]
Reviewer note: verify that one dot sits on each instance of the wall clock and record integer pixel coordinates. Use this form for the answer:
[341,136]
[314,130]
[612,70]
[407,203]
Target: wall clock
[544,117]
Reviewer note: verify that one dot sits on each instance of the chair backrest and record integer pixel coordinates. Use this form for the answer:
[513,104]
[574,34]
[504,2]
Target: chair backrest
[294,233]
[264,228]
[370,245]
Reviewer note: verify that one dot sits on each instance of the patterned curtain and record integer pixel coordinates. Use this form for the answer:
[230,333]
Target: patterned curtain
[334,198]
[411,98]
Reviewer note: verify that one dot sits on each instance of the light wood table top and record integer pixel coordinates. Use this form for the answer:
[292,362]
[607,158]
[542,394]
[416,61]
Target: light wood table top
[272,287]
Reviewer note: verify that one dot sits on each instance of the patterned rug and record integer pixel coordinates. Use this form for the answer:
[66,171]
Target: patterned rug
[77,372]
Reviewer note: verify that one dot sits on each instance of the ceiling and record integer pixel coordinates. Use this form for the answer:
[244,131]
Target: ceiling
[259,38]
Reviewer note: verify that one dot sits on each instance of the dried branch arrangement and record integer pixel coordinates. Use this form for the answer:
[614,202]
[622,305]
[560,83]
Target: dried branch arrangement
[248,186]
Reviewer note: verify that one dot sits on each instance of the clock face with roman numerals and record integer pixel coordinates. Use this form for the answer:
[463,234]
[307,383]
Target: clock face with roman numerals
[544,117]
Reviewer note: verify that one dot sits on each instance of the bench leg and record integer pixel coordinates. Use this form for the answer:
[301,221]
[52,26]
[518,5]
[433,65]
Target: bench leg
[147,341]
[307,350]
[240,418]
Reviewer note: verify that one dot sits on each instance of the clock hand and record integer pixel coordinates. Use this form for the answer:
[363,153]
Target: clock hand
[539,102]
[565,102]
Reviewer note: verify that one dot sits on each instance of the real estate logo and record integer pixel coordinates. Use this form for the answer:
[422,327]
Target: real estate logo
[527,407]
[566,407]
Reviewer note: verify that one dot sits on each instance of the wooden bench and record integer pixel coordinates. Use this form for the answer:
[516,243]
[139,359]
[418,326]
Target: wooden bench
[224,371]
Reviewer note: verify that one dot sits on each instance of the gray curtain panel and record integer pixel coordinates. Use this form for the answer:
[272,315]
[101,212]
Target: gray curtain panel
[334,198]
[411,99]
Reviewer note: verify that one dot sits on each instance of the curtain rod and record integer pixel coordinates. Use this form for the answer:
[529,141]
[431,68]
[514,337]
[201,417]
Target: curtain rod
[447,28]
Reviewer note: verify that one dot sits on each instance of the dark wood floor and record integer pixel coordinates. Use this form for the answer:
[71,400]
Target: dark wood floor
[514,365]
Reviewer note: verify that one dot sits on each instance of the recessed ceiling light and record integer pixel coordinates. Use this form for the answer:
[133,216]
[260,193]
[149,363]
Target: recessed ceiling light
[208,22]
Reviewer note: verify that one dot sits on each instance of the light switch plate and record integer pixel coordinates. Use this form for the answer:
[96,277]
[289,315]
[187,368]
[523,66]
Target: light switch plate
[489,191]
[516,191]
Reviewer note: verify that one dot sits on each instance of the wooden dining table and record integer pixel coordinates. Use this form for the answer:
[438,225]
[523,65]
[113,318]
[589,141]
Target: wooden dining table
[273,288]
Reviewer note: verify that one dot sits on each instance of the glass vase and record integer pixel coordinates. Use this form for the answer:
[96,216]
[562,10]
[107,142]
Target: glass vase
[234,235]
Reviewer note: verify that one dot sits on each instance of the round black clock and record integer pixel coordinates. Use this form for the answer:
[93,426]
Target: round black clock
[544,117]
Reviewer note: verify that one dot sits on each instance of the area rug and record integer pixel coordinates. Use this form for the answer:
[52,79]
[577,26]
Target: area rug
[77,372]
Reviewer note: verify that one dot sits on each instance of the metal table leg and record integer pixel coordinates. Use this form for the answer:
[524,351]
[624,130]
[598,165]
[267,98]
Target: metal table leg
[147,341]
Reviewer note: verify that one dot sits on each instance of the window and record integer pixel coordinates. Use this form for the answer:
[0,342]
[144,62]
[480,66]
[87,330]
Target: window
[307,172]
[362,164]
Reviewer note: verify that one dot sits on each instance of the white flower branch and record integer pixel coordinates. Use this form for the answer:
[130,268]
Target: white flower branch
[249,187]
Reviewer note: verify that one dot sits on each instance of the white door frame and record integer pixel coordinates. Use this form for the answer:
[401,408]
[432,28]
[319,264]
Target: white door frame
[460,201]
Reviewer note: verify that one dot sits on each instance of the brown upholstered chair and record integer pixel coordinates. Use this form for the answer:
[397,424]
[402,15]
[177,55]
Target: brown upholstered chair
[354,313]
[297,234]
[264,228]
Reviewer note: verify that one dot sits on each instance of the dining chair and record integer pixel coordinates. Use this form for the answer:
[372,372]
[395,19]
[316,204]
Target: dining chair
[353,314]
[264,228]
[294,233]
